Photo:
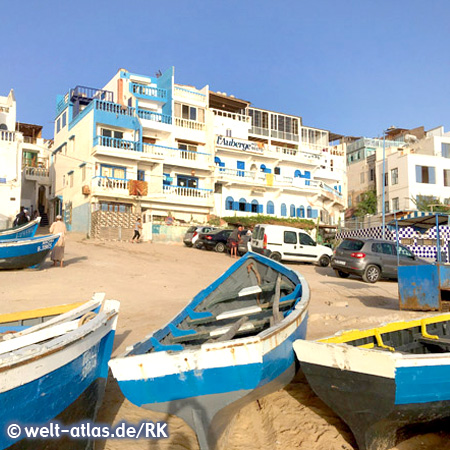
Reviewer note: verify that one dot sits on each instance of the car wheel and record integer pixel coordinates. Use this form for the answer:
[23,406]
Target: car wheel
[341,274]
[371,274]
[324,261]
[275,256]
[220,248]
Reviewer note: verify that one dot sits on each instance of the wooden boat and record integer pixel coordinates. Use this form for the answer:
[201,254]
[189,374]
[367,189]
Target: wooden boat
[23,253]
[230,345]
[55,370]
[26,230]
[386,383]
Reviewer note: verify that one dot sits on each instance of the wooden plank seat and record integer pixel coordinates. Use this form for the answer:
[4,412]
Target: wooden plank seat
[251,325]
[247,311]
[442,343]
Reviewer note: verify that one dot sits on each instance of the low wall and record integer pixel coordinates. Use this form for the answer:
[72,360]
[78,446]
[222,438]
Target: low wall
[168,233]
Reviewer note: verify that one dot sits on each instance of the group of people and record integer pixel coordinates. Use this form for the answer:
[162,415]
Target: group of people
[57,254]
[236,238]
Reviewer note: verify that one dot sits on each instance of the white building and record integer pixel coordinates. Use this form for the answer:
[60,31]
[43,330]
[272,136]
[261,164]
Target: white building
[24,168]
[145,143]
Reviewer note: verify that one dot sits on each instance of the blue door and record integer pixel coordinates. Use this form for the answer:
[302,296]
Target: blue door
[241,168]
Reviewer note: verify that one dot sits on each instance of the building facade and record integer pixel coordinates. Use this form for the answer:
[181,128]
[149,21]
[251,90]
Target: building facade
[24,165]
[148,144]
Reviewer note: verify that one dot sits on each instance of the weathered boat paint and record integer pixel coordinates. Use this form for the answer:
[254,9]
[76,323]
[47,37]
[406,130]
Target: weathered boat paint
[26,230]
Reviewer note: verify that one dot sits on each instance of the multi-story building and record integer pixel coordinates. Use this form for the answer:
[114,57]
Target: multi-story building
[24,165]
[140,143]
[145,143]
[269,163]
[416,163]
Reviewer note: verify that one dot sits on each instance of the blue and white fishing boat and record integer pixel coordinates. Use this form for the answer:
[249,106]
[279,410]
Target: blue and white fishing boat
[23,253]
[55,370]
[26,230]
[230,345]
[387,383]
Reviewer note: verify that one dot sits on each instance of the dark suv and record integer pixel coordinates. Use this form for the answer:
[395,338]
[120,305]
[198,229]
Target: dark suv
[371,259]
[215,240]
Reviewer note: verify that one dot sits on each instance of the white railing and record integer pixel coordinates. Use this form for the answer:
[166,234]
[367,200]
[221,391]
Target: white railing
[188,94]
[231,115]
[37,171]
[181,191]
[191,124]
[110,184]
[176,154]
[9,136]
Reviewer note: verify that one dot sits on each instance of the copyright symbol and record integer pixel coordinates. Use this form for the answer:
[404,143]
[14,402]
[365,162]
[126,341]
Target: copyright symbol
[14,431]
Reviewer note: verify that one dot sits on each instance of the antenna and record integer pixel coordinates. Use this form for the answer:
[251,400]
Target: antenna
[158,74]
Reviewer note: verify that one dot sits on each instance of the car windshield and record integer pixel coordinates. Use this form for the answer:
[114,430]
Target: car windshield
[191,229]
[351,244]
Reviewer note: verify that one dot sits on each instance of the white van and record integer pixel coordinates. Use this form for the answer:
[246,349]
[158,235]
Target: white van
[289,244]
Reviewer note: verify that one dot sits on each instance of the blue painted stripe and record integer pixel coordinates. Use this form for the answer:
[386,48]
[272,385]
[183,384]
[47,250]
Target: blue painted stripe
[197,383]
[28,247]
[422,384]
[43,399]
[20,234]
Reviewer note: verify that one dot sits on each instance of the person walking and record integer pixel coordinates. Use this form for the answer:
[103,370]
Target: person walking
[137,231]
[58,250]
[21,218]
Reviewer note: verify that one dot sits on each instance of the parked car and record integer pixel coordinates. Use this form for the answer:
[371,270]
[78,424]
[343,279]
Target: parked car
[192,234]
[215,240]
[371,259]
[290,244]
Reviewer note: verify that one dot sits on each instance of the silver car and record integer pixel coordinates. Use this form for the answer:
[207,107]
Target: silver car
[192,234]
[371,259]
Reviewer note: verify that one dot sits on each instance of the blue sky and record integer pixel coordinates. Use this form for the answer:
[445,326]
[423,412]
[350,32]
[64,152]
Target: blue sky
[354,67]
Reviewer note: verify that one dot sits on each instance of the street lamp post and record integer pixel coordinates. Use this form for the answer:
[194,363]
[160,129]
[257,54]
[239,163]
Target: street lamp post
[383,177]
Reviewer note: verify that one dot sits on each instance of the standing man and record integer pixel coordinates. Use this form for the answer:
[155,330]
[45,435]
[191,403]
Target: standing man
[137,230]
[58,250]
[235,237]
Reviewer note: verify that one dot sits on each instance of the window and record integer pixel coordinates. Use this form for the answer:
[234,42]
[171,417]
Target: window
[372,175]
[255,207]
[228,132]
[229,204]
[277,171]
[113,172]
[242,205]
[309,212]
[305,239]
[58,125]
[386,179]
[283,210]
[188,151]
[185,181]
[83,172]
[64,119]
[301,212]
[167,180]
[141,175]
[292,211]
[115,207]
[403,252]
[70,179]
[290,237]
[189,112]
[387,249]
[270,207]
[445,150]
[351,244]
[186,146]
[425,174]
[386,206]
[446,177]
[394,176]
[395,204]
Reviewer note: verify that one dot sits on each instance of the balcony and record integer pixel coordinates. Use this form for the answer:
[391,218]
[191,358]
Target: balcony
[179,157]
[296,155]
[111,187]
[191,124]
[187,195]
[189,95]
[148,92]
[8,136]
[39,174]
[233,116]
[151,120]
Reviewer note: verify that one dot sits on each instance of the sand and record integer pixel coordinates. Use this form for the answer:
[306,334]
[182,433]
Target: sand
[153,282]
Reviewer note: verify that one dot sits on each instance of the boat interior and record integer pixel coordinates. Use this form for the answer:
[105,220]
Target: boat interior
[248,301]
[428,335]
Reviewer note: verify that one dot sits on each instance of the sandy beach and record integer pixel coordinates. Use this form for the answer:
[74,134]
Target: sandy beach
[153,282]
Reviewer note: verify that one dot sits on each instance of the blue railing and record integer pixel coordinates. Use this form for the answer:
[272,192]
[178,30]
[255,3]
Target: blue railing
[154,116]
[148,91]
[91,93]
[189,91]
[121,144]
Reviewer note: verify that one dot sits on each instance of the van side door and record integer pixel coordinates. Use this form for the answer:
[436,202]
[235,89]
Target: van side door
[290,246]
[307,248]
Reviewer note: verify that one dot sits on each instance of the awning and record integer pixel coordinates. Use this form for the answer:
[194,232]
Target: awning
[422,221]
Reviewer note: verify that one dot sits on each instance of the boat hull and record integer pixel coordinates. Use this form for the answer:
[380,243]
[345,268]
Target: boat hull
[369,404]
[65,385]
[24,231]
[21,254]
